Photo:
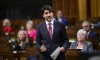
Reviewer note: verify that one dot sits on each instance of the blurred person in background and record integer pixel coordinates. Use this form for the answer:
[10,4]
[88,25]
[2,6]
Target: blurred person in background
[21,43]
[7,29]
[95,58]
[86,26]
[30,31]
[96,25]
[59,17]
[85,46]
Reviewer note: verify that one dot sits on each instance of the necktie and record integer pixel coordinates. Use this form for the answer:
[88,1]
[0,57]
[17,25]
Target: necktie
[50,30]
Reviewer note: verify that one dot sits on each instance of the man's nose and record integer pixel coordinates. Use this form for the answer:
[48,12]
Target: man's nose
[48,14]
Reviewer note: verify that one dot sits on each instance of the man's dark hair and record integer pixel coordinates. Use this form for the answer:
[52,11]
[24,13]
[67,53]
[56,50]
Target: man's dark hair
[47,7]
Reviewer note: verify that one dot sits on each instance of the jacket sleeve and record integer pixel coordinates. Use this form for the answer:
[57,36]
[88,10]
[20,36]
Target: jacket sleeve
[38,38]
[64,37]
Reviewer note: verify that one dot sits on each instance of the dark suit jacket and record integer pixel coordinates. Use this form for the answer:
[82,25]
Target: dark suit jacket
[93,35]
[87,47]
[59,37]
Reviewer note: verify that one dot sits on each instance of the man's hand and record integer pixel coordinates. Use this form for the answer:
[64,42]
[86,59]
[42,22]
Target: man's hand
[62,49]
[43,48]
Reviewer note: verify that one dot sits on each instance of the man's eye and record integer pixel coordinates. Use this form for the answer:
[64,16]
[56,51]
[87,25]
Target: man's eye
[49,12]
[46,13]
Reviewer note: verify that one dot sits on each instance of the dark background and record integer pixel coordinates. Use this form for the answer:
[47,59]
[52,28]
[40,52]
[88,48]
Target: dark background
[22,9]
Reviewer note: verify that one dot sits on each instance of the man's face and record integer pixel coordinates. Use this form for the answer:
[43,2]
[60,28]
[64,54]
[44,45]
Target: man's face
[86,27]
[48,15]
[59,14]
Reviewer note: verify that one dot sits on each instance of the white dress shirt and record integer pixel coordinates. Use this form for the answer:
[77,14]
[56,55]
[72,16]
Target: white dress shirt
[59,19]
[52,24]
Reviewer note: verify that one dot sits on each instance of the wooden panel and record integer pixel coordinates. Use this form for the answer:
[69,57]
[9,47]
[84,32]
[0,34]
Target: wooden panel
[98,8]
[82,9]
[65,8]
[57,5]
[72,8]
[94,8]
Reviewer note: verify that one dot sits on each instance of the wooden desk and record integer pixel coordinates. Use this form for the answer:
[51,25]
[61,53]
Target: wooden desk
[72,54]
[30,51]
[6,53]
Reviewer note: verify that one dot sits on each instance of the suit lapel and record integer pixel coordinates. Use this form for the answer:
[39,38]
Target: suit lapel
[46,31]
[90,34]
[54,30]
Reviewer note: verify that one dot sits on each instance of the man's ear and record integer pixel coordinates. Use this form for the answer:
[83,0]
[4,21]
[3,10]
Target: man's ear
[42,15]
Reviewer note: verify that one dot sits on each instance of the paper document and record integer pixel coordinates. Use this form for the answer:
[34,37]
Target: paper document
[55,53]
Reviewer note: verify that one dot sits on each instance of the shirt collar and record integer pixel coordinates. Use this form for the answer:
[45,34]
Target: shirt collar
[88,32]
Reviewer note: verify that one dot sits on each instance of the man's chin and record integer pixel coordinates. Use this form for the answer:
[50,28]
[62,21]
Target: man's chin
[49,20]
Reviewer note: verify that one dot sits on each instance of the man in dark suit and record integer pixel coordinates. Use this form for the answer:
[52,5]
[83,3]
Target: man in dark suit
[50,35]
[90,33]
[61,18]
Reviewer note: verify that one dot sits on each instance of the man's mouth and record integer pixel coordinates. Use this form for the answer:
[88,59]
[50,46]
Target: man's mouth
[49,17]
